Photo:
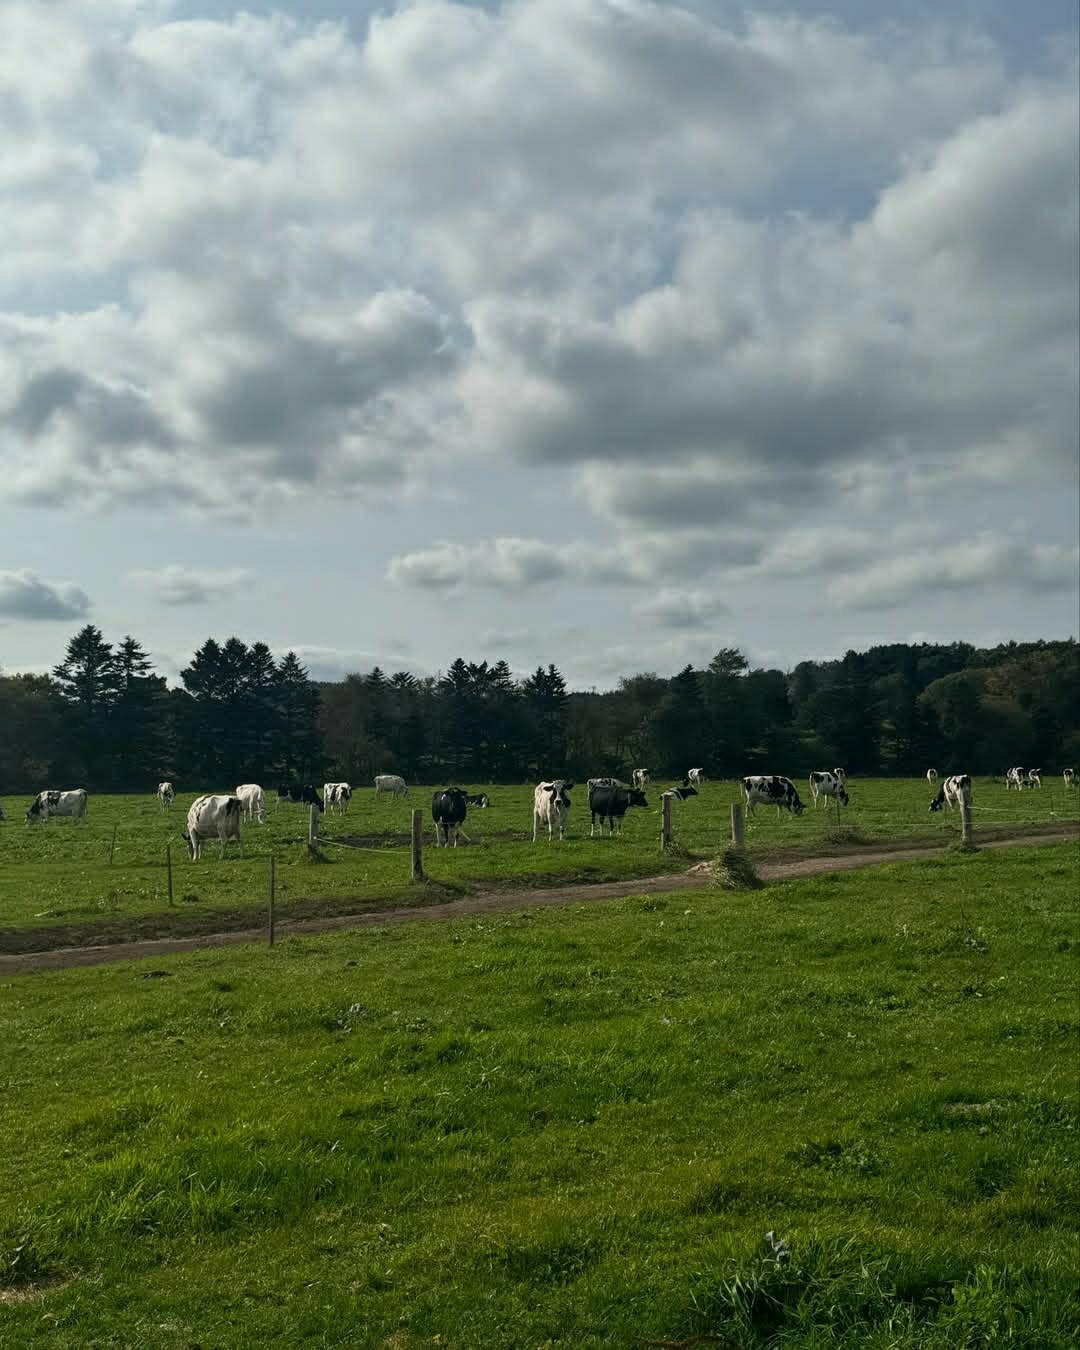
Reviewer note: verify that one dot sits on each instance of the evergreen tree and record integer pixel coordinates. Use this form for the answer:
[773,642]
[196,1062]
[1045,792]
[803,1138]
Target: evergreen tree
[87,681]
[139,723]
[297,701]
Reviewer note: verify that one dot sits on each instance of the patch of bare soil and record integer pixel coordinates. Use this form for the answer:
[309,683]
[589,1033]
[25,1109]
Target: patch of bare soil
[695,877]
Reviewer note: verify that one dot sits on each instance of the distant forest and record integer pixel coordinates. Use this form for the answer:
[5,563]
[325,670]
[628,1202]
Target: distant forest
[105,720]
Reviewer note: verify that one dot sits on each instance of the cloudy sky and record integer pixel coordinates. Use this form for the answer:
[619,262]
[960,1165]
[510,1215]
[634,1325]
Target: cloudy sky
[602,332]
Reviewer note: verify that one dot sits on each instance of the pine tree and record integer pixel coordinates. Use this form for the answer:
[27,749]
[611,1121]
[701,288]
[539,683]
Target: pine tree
[138,722]
[87,680]
[297,700]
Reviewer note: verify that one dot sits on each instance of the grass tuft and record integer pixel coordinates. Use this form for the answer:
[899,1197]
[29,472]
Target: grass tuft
[734,871]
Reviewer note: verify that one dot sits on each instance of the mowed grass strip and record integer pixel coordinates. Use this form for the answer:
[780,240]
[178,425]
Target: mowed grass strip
[567,1126]
[57,887]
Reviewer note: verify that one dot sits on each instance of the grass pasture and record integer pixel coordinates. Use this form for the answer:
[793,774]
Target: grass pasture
[58,888]
[567,1127]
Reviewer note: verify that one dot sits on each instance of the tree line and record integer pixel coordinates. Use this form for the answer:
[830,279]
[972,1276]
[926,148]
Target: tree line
[105,720]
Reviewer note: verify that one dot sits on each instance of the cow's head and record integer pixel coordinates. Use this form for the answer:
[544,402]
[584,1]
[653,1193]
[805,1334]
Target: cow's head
[842,794]
[637,798]
[190,843]
[35,814]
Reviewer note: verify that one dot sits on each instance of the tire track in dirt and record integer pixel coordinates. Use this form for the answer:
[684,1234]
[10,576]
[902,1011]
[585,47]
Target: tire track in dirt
[66,958]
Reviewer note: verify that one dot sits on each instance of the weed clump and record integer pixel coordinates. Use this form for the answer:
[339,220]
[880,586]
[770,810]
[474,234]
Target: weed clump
[734,871]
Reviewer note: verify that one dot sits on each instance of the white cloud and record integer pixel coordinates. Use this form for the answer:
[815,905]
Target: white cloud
[24,595]
[510,563]
[177,585]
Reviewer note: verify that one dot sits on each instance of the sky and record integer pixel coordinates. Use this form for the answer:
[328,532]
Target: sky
[597,332]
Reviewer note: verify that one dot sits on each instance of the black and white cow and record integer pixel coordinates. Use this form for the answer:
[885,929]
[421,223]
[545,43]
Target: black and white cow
[50,802]
[639,778]
[211,817]
[953,791]
[931,776]
[448,810]
[337,796]
[165,795]
[1034,778]
[841,775]
[1015,778]
[480,799]
[606,782]
[695,777]
[298,794]
[826,784]
[551,804]
[1069,776]
[611,803]
[680,794]
[773,789]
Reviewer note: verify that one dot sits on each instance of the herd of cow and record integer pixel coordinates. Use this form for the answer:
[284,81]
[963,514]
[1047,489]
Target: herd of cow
[219,816]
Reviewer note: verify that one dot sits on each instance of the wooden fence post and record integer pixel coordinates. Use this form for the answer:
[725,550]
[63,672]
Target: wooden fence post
[665,818]
[416,861]
[270,908]
[965,821]
[168,871]
[112,846]
[738,825]
[313,826]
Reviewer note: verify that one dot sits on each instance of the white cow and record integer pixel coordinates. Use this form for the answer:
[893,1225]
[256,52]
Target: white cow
[1015,778]
[931,776]
[213,817]
[551,802]
[337,796]
[639,777]
[1070,777]
[695,777]
[392,783]
[253,801]
[52,803]
[165,795]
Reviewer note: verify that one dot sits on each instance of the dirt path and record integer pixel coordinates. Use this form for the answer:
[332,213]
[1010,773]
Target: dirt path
[67,957]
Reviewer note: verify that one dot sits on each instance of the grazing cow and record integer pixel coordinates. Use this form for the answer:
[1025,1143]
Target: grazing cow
[639,777]
[1015,778]
[611,803]
[392,783]
[952,792]
[1034,778]
[253,801]
[165,795]
[695,777]
[826,784]
[606,782]
[680,794]
[337,796]
[448,810]
[213,817]
[1070,777]
[773,789]
[480,799]
[931,776]
[298,794]
[551,803]
[52,803]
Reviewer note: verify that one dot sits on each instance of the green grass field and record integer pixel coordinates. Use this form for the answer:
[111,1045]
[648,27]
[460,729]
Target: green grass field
[58,888]
[566,1127]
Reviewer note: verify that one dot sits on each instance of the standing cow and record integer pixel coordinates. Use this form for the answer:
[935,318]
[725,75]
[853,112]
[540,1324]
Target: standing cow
[826,784]
[165,795]
[773,789]
[640,778]
[931,776]
[448,810]
[551,804]
[211,817]
[337,796]
[392,783]
[252,801]
[695,777]
[955,790]
[1015,778]
[611,803]
[1069,776]
[52,803]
